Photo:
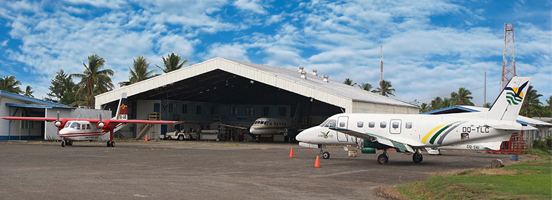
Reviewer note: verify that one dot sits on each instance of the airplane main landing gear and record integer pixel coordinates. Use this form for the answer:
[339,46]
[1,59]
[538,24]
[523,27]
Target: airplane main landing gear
[383,158]
[110,143]
[417,157]
[325,155]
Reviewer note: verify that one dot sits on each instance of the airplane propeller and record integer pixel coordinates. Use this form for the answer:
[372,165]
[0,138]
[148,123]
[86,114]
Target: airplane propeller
[101,124]
[58,123]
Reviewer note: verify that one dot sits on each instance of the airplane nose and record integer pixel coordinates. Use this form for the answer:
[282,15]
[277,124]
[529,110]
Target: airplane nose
[301,136]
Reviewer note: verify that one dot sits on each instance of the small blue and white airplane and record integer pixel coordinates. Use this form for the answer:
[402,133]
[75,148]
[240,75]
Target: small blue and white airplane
[408,133]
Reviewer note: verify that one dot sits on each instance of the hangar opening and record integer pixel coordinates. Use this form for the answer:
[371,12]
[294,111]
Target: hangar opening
[221,98]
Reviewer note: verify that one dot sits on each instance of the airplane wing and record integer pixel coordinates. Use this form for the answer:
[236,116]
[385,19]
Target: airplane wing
[140,121]
[30,118]
[402,146]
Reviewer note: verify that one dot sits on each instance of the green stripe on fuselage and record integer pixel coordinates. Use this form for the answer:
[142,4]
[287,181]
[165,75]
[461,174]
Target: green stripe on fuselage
[438,132]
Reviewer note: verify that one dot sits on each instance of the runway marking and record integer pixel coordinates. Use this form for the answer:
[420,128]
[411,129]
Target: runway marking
[340,173]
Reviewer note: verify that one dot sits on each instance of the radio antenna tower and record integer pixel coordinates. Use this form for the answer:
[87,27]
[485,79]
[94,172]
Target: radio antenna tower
[508,56]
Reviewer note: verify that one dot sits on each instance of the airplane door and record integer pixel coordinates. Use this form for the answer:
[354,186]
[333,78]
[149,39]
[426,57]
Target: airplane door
[395,126]
[342,122]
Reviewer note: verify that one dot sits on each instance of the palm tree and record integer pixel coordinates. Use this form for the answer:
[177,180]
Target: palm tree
[365,86]
[424,108]
[171,63]
[549,102]
[9,84]
[462,97]
[487,105]
[62,89]
[531,102]
[139,72]
[94,79]
[436,103]
[348,81]
[28,91]
[385,89]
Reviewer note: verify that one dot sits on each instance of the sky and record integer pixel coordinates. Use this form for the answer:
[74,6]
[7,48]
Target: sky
[430,47]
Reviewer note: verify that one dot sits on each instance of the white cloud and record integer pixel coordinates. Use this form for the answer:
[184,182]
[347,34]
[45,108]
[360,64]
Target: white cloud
[4,43]
[231,51]
[112,4]
[250,5]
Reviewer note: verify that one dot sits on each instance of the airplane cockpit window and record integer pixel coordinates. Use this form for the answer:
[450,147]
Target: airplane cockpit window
[383,124]
[360,124]
[332,123]
[88,127]
[68,124]
[75,125]
[323,124]
[371,124]
[408,125]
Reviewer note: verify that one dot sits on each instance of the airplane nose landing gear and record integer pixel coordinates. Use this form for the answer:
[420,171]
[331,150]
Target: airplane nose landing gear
[63,143]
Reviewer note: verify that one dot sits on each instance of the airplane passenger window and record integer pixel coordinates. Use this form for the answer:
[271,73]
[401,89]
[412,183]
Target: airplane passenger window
[371,124]
[383,124]
[88,127]
[395,124]
[408,125]
[360,124]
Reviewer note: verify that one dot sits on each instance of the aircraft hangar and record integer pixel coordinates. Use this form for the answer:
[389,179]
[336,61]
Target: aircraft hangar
[226,93]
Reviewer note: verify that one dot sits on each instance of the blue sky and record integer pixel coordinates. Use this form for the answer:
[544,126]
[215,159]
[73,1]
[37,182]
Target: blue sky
[430,47]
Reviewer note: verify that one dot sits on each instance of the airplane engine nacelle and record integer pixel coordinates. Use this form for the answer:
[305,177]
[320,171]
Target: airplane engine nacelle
[58,124]
[368,150]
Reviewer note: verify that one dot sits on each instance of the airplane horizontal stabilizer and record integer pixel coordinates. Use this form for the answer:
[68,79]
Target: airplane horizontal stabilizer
[506,127]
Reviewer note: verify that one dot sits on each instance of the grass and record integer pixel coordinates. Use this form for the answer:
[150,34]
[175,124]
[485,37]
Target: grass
[525,180]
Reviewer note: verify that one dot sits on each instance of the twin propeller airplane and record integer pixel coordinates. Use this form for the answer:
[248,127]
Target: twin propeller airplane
[70,129]
[408,133]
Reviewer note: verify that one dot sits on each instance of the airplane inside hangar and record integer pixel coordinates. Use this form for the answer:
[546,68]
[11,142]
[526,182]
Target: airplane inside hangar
[221,98]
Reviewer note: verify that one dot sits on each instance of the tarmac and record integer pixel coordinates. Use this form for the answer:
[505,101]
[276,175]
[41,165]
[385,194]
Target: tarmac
[209,170]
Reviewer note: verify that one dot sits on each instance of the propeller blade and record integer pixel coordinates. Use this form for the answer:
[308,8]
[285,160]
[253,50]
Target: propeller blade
[58,115]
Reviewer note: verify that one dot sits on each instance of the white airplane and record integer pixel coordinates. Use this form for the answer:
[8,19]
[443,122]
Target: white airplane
[92,129]
[408,133]
[271,126]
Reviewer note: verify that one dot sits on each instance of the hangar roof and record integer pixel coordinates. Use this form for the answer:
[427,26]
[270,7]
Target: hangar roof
[331,92]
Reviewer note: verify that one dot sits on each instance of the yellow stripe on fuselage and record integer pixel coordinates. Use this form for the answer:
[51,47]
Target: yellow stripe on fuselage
[431,132]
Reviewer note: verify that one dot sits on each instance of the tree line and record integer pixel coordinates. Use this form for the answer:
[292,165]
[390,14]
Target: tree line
[93,81]
[385,88]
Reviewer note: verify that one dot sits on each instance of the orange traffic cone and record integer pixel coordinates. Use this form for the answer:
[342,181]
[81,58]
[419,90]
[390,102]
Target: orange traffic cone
[146,138]
[291,153]
[317,163]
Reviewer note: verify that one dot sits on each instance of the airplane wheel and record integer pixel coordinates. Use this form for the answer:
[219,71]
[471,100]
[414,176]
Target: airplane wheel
[326,155]
[417,157]
[108,143]
[112,143]
[382,159]
[181,138]
[63,143]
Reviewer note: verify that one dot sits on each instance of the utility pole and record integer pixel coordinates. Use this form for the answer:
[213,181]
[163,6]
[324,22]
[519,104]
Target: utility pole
[381,69]
[485,90]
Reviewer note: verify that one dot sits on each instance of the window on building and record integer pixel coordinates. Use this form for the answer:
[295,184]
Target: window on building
[213,110]
[408,125]
[371,124]
[234,110]
[383,124]
[198,110]
[282,111]
[171,107]
[184,108]
[266,111]
[249,111]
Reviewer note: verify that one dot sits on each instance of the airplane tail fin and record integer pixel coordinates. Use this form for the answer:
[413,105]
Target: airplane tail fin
[508,103]
[122,109]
